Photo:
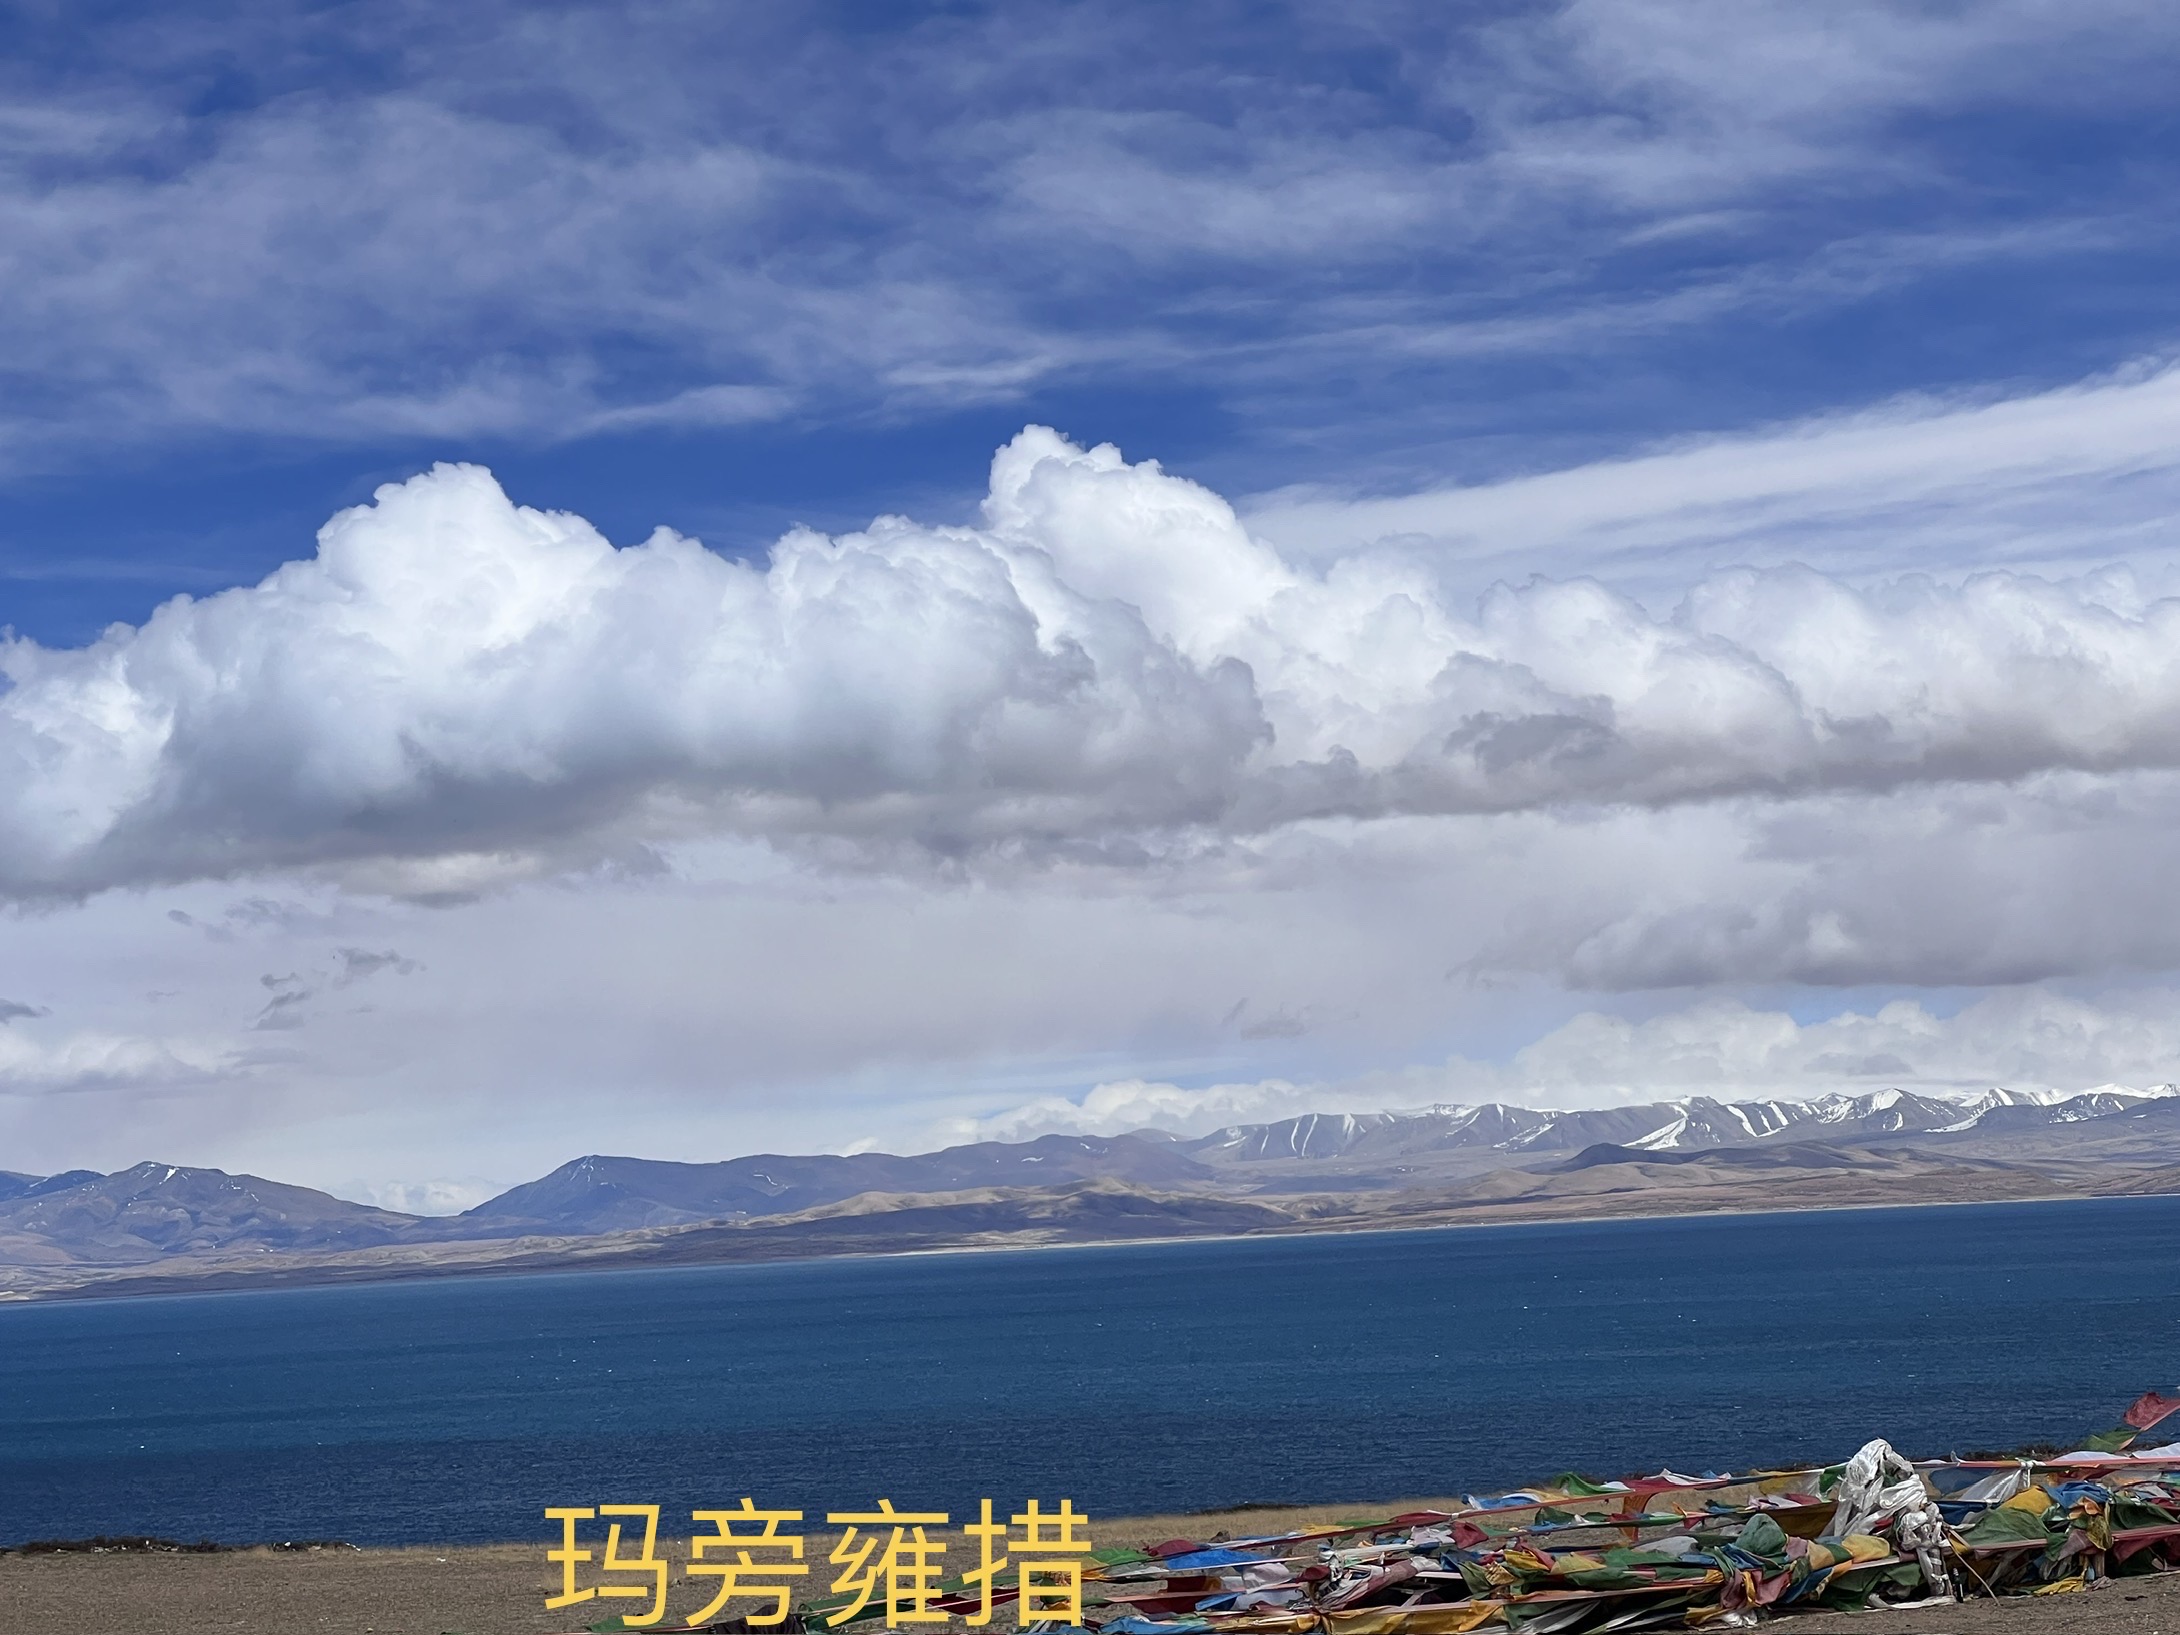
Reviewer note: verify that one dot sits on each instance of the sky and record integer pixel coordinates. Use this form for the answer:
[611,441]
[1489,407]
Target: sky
[698,579]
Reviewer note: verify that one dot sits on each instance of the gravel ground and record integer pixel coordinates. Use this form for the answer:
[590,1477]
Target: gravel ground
[501,1589]
[2142,1606]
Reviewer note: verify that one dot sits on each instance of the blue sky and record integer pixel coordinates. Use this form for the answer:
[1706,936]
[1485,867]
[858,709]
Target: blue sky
[1657,577]
[726,268]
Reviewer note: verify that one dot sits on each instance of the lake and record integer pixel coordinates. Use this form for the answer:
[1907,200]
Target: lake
[1142,1378]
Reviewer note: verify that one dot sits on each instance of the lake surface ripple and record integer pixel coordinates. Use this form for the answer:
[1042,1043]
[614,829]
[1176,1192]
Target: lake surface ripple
[1151,1377]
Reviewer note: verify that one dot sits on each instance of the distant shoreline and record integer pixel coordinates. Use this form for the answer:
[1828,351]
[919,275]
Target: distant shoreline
[156,1229]
[157,1285]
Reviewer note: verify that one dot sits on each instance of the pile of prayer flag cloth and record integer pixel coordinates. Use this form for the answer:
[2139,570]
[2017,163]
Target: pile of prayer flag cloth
[1575,1555]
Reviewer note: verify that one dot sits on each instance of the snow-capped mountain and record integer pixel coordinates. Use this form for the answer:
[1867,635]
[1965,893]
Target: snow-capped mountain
[1663,1126]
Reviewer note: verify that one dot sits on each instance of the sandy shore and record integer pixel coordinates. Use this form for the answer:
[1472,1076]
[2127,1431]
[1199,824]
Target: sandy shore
[501,1589]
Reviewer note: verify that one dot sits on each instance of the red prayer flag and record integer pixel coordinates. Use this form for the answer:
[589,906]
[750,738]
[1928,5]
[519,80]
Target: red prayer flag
[2148,1409]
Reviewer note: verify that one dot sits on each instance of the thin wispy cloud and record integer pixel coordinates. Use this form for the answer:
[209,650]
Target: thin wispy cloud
[432,224]
[2056,482]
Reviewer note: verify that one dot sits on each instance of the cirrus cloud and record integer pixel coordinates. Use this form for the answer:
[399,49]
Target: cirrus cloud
[296,222]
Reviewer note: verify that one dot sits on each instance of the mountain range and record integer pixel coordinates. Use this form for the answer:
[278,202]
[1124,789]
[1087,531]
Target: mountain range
[1659,1126]
[169,1225]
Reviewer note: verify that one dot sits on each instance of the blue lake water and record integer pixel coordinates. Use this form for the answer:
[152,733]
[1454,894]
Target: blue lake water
[1150,1377]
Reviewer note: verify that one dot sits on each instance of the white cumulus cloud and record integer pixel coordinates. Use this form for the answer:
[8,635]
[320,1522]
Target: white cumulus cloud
[1108,665]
